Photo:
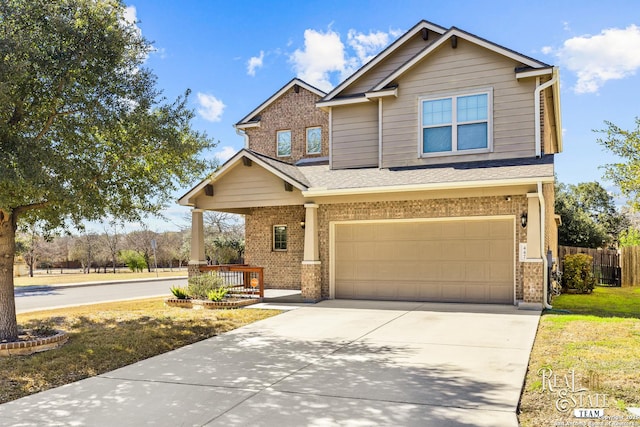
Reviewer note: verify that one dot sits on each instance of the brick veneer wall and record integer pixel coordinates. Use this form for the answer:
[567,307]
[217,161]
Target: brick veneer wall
[292,111]
[282,269]
[438,208]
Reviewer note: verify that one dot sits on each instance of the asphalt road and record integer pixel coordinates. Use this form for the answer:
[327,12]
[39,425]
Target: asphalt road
[46,297]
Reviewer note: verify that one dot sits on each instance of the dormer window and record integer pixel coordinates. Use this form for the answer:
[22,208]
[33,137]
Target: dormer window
[283,143]
[456,124]
[314,140]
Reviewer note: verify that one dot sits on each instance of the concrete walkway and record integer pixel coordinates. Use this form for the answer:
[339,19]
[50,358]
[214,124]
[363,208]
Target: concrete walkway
[347,363]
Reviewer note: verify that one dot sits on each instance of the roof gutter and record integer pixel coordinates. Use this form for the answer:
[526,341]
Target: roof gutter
[243,134]
[545,263]
[536,100]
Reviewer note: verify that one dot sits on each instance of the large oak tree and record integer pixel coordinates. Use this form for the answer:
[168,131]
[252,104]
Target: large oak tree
[84,130]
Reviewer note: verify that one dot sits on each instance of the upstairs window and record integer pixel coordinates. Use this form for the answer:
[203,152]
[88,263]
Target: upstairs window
[283,143]
[279,237]
[314,140]
[456,124]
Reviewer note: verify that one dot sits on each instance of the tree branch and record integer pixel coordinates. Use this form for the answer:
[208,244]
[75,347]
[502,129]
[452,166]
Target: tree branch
[22,209]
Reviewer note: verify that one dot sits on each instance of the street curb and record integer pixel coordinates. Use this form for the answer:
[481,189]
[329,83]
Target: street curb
[32,288]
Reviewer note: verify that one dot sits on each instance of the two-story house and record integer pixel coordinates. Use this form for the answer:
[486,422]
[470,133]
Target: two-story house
[426,175]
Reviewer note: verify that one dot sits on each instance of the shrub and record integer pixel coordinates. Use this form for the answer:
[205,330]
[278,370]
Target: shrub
[133,259]
[199,286]
[578,273]
[217,294]
[180,293]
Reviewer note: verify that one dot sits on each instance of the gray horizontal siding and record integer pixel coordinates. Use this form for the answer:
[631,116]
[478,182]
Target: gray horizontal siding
[354,137]
[389,64]
[447,70]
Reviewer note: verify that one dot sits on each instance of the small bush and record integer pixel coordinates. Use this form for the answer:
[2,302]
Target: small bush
[180,293]
[217,294]
[199,286]
[578,273]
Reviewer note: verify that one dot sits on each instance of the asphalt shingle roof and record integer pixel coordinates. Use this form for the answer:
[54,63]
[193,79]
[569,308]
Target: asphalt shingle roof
[320,176]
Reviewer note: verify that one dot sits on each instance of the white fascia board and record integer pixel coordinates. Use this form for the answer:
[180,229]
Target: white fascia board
[444,39]
[345,101]
[382,93]
[389,50]
[534,73]
[247,125]
[231,164]
[320,192]
[184,200]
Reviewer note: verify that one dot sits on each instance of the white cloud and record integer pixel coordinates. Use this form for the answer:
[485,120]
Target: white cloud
[611,55]
[367,46]
[225,153]
[130,15]
[325,53]
[254,62]
[211,107]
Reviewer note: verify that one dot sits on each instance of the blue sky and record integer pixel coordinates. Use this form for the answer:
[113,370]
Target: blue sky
[235,54]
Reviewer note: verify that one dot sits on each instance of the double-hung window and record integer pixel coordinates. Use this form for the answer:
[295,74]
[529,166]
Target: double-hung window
[283,143]
[314,140]
[279,237]
[456,124]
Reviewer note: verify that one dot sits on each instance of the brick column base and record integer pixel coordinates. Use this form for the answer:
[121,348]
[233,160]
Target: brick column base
[533,278]
[194,268]
[311,281]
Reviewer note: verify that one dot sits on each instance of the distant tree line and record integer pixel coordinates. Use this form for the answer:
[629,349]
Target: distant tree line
[113,247]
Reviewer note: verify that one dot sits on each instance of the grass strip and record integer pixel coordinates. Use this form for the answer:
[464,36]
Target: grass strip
[105,337]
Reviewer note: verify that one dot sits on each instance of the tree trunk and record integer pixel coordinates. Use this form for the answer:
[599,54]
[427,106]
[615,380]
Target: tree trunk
[8,321]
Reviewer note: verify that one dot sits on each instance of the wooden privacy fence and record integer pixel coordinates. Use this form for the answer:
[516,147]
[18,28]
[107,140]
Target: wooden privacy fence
[606,263]
[630,266]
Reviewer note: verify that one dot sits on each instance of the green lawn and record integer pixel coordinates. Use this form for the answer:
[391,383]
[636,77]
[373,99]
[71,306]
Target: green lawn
[103,337]
[597,336]
[75,276]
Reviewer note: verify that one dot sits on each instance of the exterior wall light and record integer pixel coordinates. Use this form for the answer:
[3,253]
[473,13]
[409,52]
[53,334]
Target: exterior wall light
[523,220]
[302,224]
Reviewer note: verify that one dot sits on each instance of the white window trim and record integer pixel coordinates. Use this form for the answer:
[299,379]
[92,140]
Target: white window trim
[273,237]
[454,139]
[290,142]
[306,134]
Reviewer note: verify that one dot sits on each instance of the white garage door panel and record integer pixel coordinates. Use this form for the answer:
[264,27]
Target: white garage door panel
[456,260]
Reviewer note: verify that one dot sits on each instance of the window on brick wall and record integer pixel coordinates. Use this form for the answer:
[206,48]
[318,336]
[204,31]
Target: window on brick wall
[314,140]
[283,142]
[279,237]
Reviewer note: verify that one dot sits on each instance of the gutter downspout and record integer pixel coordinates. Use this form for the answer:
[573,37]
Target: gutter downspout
[545,264]
[244,135]
[536,100]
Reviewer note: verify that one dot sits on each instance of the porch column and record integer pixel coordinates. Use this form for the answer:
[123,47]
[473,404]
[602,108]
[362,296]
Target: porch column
[197,242]
[533,227]
[310,281]
[311,232]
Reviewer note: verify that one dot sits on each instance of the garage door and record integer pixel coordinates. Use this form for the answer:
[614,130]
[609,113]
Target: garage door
[469,260]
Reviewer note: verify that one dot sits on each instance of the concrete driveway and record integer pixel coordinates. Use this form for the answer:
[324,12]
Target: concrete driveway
[346,363]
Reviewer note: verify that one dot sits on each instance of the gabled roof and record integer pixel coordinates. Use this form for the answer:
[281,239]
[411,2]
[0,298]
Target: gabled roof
[527,61]
[285,171]
[386,52]
[320,180]
[456,32]
[250,119]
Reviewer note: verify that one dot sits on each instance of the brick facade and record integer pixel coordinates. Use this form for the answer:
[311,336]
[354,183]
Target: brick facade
[292,111]
[282,269]
[286,270]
